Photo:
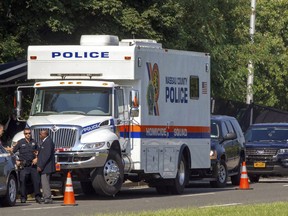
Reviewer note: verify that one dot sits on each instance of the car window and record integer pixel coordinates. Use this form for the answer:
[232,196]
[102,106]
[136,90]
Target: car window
[214,130]
[224,128]
[229,126]
[237,128]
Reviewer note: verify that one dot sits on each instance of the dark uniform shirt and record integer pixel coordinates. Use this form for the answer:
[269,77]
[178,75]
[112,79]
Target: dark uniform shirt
[26,149]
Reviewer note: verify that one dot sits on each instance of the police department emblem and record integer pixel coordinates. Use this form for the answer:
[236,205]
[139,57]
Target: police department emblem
[54,128]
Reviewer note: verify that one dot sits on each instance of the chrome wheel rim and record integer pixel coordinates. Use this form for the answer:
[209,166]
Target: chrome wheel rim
[111,172]
[222,174]
[12,190]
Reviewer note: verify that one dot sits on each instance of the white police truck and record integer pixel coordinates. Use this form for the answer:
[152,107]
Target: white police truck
[122,110]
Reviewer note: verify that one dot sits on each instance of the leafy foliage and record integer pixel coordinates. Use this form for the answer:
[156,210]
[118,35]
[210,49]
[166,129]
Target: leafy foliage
[218,27]
[271,54]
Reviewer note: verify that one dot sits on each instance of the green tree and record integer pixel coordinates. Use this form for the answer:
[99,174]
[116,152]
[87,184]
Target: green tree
[31,22]
[221,27]
[35,22]
[270,54]
[218,27]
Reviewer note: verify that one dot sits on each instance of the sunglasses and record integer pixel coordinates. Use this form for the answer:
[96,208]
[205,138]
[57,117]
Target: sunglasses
[27,133]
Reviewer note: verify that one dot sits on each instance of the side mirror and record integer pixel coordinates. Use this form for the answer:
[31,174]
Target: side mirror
[134,103]
[230,136]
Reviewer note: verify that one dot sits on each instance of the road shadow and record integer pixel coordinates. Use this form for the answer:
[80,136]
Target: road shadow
[143,191]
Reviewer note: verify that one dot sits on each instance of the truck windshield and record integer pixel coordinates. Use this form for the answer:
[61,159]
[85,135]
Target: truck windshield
[83,101]
[267,134]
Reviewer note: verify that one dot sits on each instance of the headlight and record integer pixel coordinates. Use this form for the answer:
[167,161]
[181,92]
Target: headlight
[213,154]
[94,145]
[283,151]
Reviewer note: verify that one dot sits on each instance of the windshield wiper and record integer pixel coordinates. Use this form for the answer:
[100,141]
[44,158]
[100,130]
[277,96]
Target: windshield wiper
[45,113]
[73,112]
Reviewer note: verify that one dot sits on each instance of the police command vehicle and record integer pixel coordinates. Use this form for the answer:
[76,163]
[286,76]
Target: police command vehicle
[122,110]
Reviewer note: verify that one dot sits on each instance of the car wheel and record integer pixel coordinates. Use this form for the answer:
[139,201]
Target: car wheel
[235,179]
[222,176]
[10,198]
[108,179]
[254,178]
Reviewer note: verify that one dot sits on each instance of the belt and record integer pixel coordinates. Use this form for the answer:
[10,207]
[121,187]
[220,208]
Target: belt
[27,164]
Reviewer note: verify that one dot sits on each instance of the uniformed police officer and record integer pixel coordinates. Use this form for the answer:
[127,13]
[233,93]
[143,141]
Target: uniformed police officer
[28,150]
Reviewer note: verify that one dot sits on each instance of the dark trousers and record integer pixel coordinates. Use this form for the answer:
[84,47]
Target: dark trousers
[24,177]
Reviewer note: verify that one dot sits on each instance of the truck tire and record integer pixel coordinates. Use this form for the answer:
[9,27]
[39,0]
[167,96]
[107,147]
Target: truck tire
[222,176]
[108,179]
[87,187]
[11,194]
[181,178]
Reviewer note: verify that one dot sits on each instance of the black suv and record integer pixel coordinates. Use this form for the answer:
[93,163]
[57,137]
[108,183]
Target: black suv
[227,150]
[267,150]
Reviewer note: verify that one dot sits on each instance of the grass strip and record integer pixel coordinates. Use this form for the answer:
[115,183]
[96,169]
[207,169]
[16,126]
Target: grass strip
[268,209]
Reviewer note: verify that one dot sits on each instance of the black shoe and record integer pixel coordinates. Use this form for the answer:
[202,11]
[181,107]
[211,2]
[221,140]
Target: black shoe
[23,200]
[48,201]
[39,200]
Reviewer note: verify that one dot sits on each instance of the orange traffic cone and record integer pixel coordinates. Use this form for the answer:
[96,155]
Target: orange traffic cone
[69,198]
[244,183]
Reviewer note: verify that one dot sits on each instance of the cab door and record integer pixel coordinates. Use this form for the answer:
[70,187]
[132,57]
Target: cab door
[120,117]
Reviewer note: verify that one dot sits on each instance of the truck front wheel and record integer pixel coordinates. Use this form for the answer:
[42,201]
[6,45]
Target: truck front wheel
[87,187]
[108,179]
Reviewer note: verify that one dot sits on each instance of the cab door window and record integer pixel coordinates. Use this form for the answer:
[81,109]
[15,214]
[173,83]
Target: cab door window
[119,103]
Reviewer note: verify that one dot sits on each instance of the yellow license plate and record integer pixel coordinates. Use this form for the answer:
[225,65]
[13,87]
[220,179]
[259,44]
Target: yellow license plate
[259,164]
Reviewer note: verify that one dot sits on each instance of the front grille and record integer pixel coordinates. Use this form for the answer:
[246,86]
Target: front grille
[63,137]
[261,154]
[268,152]
[259,158]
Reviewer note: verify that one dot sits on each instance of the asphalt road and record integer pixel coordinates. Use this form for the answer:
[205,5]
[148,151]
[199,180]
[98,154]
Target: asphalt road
[135,199]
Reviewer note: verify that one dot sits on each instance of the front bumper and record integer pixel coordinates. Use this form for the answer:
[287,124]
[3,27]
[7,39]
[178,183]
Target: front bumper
[278,167]
[81,160]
